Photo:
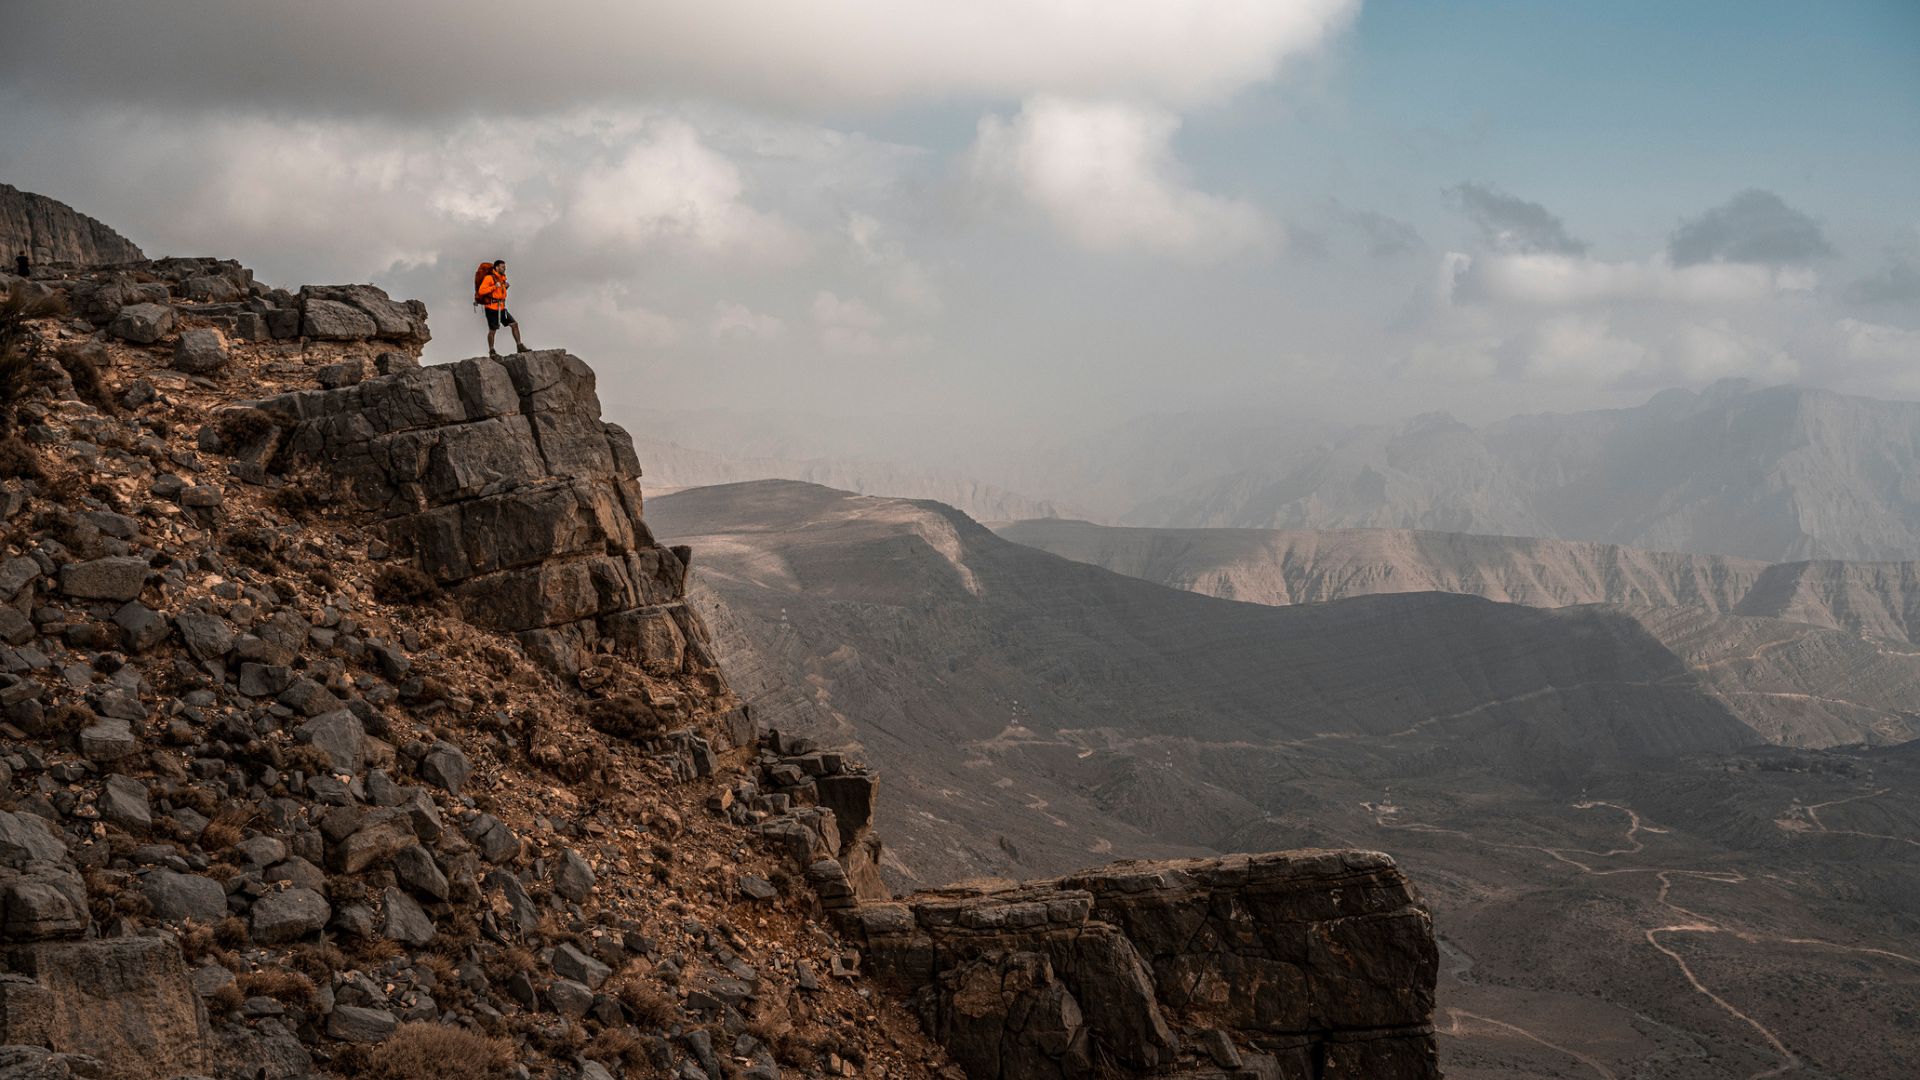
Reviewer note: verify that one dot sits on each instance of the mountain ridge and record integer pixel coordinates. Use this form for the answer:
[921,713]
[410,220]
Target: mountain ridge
[1877,599]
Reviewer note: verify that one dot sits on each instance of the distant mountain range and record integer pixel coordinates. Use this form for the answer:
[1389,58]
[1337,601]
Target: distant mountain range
[1265,566]
[1777,474]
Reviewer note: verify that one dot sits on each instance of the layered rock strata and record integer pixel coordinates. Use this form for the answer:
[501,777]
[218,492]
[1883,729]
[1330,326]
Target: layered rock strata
[49,231]
[1305,965]
[500,481]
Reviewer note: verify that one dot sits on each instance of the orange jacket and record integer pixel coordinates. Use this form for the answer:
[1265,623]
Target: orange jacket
[493,291]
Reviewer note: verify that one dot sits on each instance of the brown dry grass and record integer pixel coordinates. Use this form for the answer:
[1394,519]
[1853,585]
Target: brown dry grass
[284,986]
[646,1005]
[421,1051]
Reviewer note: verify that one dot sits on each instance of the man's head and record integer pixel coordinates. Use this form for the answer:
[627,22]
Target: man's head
[499,264]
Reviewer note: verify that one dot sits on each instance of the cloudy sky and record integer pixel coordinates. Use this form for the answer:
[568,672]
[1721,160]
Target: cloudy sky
[1044,211]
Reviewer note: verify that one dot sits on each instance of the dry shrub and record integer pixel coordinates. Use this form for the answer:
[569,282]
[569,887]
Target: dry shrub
[254,547]
[88,381]
[372,952]
[405,586]
[241,427]
[306,758]
[619,1046]
[627,716]
[18,461]
[646,1004]
[441,968]
[231,932]
[227,999]
[197,943]
[297,500]
[226,828]
[17,309]
[284,986]
[317,962]
[423,1051]
[65,719]
[504,963]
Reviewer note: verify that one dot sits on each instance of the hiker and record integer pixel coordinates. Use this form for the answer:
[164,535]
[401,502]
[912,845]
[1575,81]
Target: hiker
[490,292]
[21,266]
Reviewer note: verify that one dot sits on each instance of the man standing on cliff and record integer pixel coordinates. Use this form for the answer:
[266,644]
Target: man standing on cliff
[490,292]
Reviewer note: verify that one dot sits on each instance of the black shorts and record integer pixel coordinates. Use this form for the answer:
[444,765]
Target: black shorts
[498,319]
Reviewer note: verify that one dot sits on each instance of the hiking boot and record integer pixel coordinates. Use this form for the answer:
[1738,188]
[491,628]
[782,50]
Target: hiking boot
[521,348]
[494,353]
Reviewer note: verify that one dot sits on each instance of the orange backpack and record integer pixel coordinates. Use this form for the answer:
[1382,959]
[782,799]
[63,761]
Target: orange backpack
[479,279]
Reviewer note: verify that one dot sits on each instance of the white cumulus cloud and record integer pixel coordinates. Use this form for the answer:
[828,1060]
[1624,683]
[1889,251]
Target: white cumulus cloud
[1105,174]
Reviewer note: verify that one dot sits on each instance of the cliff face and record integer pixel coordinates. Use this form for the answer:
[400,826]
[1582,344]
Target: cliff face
[49,231]
[1290,965]
[363,723]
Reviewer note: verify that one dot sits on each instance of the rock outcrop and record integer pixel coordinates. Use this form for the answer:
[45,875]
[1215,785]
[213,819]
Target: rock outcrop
[502,482]
[50,231]
[1306,964]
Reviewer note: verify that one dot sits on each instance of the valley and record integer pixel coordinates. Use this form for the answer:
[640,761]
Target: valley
[1651,836]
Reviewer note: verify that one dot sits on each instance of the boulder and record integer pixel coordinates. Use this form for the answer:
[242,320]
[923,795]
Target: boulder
[25,836]
[414,868]
[446,766]
[141,627]
[403,920]
[207,636]
[124,802]
[40,900]
[119,577]
[360,1024]
[330,320]
[569,962]
[200,352]
[108,739]
[574,879]
[341,735]
[177,896]
[127,1002]
[142,324]
[496,842]
[288,916]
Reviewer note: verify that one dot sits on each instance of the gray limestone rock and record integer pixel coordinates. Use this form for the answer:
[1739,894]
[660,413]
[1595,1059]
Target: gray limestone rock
[142,324]
[200,352]
[177,896]
[119,577]
[288,916]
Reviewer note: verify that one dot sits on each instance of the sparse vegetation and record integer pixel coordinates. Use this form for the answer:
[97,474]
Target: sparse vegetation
[405,586]
[241,427]
[434,1051]
[88,380]
[627,716]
